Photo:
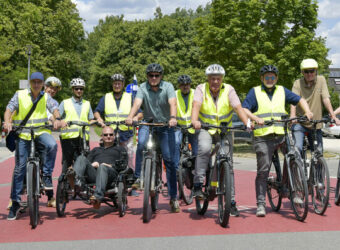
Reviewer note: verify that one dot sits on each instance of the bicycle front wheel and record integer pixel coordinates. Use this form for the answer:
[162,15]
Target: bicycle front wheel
[273,185]
[147,184]
[158,184]
[62,195]
[298,190]
[224,197]
[337,188]
[320,186]
[185,193]
[122,199]
[33,193]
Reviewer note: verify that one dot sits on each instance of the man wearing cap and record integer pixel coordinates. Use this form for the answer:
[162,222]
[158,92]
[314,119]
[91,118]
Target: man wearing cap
[214,102]
[21,103]
[115,106]
[313,88]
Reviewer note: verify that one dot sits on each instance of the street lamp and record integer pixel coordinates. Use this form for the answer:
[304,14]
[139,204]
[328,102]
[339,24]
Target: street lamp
[29,52]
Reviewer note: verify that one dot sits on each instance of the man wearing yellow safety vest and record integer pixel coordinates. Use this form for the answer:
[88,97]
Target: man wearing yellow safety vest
[116,106]
[20,104]
[74,109]
[263,103]
[214,102]
[184,96]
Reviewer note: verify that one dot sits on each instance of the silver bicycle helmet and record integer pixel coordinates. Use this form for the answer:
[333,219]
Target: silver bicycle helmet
[118,77]
[77,82]
[215,69]
[53,82]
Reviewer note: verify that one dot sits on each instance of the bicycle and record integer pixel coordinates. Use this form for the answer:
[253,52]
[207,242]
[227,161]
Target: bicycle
[316,171]
[186,168]
[151,172]
[293,177]
[219,186]
[117,194]
[337,188]
[34,186]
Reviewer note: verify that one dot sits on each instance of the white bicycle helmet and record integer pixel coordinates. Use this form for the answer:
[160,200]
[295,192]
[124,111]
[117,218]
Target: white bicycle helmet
[53,82]
[77,82]
[308,64]
[118,77]
[214,69]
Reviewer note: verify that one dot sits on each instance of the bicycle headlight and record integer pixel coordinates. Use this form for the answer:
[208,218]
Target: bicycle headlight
[149,144]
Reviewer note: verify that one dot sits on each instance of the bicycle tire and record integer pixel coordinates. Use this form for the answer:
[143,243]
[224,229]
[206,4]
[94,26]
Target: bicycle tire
[158,181]
[147,180]
[273,186]
[122,199]
[32,197]
[224,199]
[299,184]
[61,197]
[337,188]
[320,186]
[185,193]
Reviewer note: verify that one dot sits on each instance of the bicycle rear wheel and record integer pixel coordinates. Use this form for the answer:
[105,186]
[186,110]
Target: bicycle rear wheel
[185,193]
[33,193]
[122,199]
[147,182]
[62,195]
[298,190]
[273,184]
[224,198]
[320,186]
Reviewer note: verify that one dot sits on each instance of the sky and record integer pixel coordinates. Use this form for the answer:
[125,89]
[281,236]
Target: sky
[93,10]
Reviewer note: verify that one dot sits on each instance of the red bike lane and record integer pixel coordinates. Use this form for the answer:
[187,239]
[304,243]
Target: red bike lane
[82,222]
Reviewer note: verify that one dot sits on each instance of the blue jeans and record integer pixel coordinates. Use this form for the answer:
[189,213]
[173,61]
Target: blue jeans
[193,140]
[166,139]
[47,146]
[299,134]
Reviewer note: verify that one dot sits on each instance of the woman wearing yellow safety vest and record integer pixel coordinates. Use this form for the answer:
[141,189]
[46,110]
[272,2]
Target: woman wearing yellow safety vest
[74,109]
[265,102]
[214,102]
[184,96]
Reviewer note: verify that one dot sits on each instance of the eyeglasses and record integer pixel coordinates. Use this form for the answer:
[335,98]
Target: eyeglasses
[107,134]
[306,71]
[77,89]
[270,78]
[154,76]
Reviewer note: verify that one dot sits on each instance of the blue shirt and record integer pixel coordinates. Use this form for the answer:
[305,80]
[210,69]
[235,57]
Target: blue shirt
[77,106]
[251,103]
[123,135]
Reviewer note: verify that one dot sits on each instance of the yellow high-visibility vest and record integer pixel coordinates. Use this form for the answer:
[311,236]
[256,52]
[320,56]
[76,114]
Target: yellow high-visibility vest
[74,131]
[38,117]
[112,114]
[184,117]
[212,115]
[270,109]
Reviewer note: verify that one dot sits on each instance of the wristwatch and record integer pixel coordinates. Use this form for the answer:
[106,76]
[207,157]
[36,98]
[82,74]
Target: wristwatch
[172,116]
[59,119]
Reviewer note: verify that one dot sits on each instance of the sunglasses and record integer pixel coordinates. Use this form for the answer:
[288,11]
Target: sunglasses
[76,89]
[107,134]
[270,78]
[306,71]
[154,76]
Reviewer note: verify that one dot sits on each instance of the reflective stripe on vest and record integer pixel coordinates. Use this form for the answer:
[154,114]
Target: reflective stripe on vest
[74,131]
[212,115]
[184,117]
[38,117]
[270,109]
[112,114]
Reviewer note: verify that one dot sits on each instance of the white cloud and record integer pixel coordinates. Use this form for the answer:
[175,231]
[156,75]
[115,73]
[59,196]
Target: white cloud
[93,10]
[329,9]
[335,58]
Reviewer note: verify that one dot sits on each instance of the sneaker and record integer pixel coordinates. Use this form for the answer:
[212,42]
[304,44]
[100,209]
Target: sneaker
[14,210]
[134,193]
[297,200]
[198,192]
[233,210]
[9,204]
[47,181]
[260,211]
[174,206]
[51,203]
[95,202]
[136,185]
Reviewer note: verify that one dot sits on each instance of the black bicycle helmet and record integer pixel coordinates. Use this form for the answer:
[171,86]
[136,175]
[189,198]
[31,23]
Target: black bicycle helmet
[269,68]
[184,79]
[154,67]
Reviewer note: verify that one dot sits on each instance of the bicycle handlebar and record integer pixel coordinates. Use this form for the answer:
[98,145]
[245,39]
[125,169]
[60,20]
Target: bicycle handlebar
[222,126]
[80,123]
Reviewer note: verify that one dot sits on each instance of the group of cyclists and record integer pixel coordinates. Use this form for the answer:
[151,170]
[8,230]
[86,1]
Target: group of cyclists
[213,102]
